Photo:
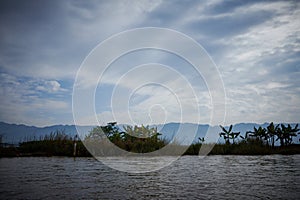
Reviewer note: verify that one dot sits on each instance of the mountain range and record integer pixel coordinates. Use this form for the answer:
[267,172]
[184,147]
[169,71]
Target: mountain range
[183,132]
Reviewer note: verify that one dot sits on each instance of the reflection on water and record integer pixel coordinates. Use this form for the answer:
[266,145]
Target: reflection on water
[133,164]
[215,177]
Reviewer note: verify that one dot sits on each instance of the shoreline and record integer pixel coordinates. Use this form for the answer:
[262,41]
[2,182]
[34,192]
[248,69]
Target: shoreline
[192,150]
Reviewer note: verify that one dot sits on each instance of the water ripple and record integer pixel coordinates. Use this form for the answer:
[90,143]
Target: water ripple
[214,177]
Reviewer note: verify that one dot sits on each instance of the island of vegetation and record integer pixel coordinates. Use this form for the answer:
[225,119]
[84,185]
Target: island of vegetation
[274,139]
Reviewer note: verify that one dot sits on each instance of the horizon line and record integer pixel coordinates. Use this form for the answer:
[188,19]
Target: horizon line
[45,126]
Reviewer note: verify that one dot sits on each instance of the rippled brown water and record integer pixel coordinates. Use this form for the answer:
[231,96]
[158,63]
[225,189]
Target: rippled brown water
[215,177]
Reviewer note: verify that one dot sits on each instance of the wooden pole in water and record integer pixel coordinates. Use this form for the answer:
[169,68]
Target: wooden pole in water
[75,145]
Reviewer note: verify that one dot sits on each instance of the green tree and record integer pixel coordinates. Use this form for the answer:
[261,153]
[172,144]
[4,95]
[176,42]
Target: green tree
[228,134]
[142,139]
[272,132]
[135,139]
[201,140]
[111,131]
[260,134]
[285,134]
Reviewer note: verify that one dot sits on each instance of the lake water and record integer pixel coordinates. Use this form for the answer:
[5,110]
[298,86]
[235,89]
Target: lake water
[214,177]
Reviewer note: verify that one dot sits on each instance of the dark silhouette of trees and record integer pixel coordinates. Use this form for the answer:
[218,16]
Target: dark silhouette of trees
[285,134]
[272,131]
[201,140]
[263,136]
[137,139]
[144,139]
[228,134]
[259,134]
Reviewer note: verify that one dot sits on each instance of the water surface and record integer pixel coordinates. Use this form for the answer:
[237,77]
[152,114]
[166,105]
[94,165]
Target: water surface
[215,177]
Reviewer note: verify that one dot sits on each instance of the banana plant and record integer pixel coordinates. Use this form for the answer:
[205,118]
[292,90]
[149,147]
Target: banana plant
[228,134]
[259,134]
[246,137]
[201,140]
[142,132]
[272,132]
[285,134]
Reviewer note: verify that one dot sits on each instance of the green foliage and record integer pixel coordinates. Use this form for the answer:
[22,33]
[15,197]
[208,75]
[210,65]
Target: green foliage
[55,144]
[285,134]
[201,140]
[144,139]
[228,134]
[258,134]
[193,149]
[243,148]
[266,136]
[272,131]
[135,139]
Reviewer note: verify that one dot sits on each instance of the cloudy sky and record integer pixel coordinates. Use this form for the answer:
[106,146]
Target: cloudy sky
[255,46]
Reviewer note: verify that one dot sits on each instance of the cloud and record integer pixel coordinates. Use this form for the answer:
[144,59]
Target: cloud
[32,101]
[255,45]
[260,65]
[50,87]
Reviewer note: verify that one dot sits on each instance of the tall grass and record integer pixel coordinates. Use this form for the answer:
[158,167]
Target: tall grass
[55,144]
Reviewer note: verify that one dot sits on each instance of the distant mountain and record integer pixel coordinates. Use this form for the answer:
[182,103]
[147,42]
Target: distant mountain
[14,133]
[181,132]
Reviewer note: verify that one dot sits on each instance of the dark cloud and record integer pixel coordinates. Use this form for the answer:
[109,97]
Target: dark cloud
[28,18]
[36,35]
[228,6]
[229,25]
[168,13]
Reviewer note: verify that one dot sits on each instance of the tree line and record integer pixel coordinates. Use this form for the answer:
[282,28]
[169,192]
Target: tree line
[137,139]
[144,139]
[267,136]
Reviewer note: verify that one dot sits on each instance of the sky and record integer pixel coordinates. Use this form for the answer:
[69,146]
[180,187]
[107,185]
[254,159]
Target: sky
[255,46]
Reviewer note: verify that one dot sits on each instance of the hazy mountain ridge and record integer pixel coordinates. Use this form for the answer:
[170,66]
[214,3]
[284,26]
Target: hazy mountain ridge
[14,133]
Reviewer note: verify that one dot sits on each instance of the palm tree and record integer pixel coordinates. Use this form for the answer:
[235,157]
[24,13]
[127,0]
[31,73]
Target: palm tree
[272,131]
[245,138]
[285,134]
[225,134]
[259,133]
[228,134]
[201,140]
